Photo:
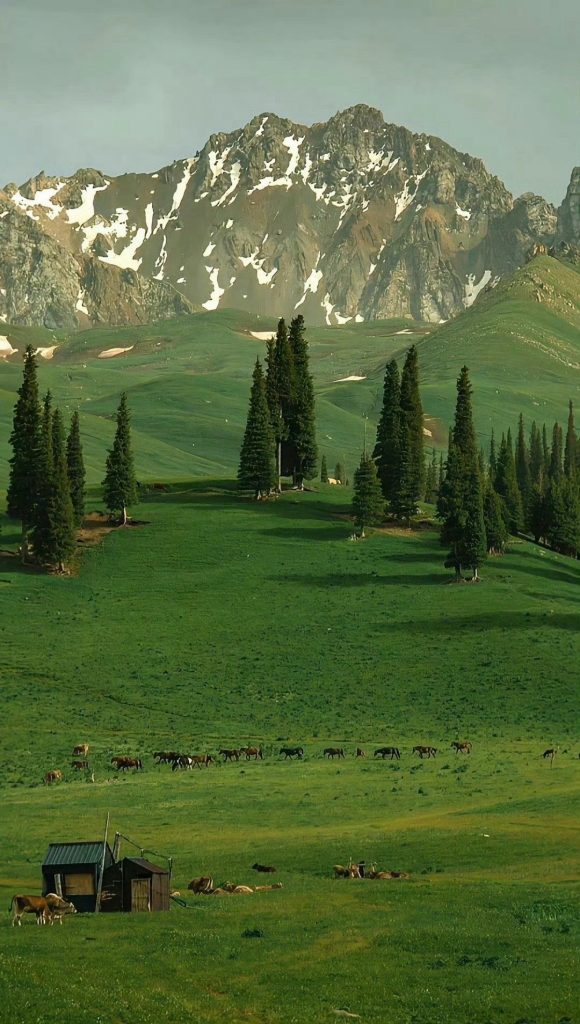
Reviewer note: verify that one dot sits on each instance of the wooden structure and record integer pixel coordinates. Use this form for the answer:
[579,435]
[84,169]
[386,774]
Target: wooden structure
[134,884]
[74,871]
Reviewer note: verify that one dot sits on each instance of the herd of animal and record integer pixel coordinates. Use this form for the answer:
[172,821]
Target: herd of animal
[48,909]
[179,761]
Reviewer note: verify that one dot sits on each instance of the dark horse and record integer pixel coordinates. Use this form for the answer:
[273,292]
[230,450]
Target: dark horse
[292,752]
[461,748]
[333,752]
[393,753]
[425,751]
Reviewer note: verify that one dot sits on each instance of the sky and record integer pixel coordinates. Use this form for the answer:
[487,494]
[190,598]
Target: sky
[134,84]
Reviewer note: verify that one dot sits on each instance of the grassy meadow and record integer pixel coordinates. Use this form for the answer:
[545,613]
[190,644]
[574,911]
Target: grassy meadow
[219,622]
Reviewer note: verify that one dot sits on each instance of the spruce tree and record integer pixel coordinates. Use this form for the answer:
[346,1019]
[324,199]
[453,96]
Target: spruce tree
[55,544]
[506,484]
[25,439]
[76,469]
[536,456]
[368,503]
[555,469]
[42,529]
[387,448]
[339,473]
[431,480]
[539,513]
[302,416]
[441,474]
[570,446]
[492,456]
[412,413]
[493,515]
[545,452]
[403,502]
[323,471]
[563,517]
[284,382]
[119,485]
[523,475]
[461,501]
[257,469]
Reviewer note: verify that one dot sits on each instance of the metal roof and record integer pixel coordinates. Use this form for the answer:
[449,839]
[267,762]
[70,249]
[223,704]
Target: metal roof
[59,854]
[147,865]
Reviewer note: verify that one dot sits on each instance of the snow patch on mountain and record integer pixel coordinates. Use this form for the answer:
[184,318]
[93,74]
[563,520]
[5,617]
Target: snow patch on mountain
[42,198]
[257,264]
[81,214]
[465,214]
[217,292]
[235,173]
[473,287]
[311,283]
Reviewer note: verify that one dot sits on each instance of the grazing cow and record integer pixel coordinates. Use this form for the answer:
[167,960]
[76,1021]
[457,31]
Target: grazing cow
[79,766]
[350,871]
[290,752]
[425,751]
[230,754]
[201,886]
[57,907]
[360,752]
[255,752]
[122,764]
[81,750]
[29,905]
[393,753]
[264,868]
[332,752]
[53,776]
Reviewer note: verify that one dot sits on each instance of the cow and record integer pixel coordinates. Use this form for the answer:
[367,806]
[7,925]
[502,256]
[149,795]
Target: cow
[333,480]
[79,766]
[264,868]
[332,752]
[550,753]
[81,750]
[387,874]
[290,752]
[29,905]
[268,888]
[393,753]
[57,907]
[55,775]
[255,752]
[230,754]
[350,871]
[425,751]
[202,885]
[461,747]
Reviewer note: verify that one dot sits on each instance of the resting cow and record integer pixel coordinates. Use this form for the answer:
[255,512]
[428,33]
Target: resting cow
[204,885]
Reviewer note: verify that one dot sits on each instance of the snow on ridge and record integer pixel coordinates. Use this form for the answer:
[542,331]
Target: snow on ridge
[149,220]
[406,197]
[260,130]
[305,172]
[80,303]
[466,214]
[473,288]
[126,258]
[161,261]
[229,224]
[42,198]
[116,228]
[256,264]
[235,172]
[328,307]
[81,214]
[343,380]
[340,319]
[293,147]
[216,164]
[178,194]
[217,292]
[208,249]
[311,283]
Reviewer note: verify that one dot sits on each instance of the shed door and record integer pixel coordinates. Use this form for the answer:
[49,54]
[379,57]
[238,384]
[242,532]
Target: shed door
[140,894]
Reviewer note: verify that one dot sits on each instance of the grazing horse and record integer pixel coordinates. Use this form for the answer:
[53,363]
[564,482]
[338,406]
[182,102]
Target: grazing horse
[290,752]
[461,747]
[360,752]
[79,766]
[425,751]
[393,753]
[264,868]
[122,764]
[255,752]
[332,752]
[550,753]
[165,756]
[53,776]
[81,750]
[197,760]
[230,754]
[181,761]
[202,885]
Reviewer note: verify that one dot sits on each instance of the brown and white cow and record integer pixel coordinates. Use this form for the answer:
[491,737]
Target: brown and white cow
[81,750]
[58,907]
[29,905]
[55,775]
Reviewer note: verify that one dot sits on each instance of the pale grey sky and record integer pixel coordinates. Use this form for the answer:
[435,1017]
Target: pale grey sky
[134,84]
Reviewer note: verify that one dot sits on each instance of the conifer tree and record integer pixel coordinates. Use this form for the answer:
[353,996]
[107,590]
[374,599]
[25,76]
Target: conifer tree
[76,469]
[431,480]
[302,415]
[323,471]
[563,517]
[506,484]
[570,446]
[368,504]
[25,439]
[42,529]
[257,469]
[55,542]
[545,452]
[412,412]
[119,485]
[387,448]
[492,456]
[493,515]
[403,503]
[536,456]
[339,473]
[523,476]
[461,500]
[555,470]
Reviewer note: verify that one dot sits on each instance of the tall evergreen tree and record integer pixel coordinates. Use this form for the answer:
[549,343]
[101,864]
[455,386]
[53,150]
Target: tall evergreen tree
[523,475]
[387,450]
[506,484]
[461,500]
[368,503]
[492,456]
[536,456]
[555,470]
[42,528]
[493,516]
[25,439]
[545,451]
[570,446]
[302,418]
[403,503]
[257,469]
[412,412]
[431,488]
[76,468]
[340,473]
[323,471]
[441,474]
[55,542]
[119,485]
[563,516]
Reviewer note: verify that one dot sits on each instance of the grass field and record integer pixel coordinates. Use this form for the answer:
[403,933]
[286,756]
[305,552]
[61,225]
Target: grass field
[221,622]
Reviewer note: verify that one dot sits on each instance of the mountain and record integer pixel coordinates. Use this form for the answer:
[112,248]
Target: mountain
[351,219]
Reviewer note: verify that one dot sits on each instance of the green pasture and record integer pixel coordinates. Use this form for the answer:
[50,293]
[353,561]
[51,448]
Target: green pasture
[220,622]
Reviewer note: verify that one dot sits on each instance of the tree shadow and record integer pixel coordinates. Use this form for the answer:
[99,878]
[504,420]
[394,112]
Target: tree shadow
[355,580]
[338,532]
[484,621]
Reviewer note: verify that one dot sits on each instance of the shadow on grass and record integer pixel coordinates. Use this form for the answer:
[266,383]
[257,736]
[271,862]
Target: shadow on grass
[485,621]
[353,580]
[340,532]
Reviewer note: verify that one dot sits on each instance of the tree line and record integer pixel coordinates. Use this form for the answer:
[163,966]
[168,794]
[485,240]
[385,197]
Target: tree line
[280,435]
[46,487]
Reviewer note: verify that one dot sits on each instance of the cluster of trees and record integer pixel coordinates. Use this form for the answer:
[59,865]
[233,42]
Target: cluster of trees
[280,435]
[46,489]
[339,472]
[399,453]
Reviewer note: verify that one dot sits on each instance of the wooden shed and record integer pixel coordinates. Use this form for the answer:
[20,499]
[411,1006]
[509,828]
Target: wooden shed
[73,871]
[134,884]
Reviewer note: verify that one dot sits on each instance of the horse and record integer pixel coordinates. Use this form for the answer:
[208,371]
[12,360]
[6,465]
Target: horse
[122,764]
[197,760]
[230,754]
[550,753]
[255,752]
[79,766]
[425,751]
[53,776]
[360,752]
[290,752]
[332,752]
[181,761]
[393,753]
[165,756]
[264,868]
[461,747]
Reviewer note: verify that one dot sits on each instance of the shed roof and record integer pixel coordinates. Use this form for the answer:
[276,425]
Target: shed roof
[147,865]
[76,853]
